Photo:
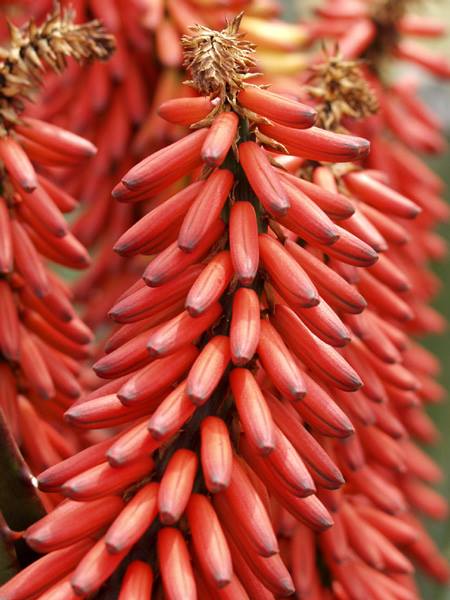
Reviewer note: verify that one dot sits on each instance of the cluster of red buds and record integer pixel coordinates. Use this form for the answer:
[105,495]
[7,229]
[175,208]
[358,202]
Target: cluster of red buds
[264,393]
[42,339]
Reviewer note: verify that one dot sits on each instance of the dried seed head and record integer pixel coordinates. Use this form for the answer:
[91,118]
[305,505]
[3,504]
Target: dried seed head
[342,91]
[218,61]
[33,47]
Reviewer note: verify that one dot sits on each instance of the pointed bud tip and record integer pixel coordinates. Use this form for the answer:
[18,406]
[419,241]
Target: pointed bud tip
[167,518]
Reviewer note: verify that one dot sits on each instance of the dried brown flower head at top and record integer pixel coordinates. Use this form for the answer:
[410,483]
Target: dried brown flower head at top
[218,61]
[341,91]
[34,47]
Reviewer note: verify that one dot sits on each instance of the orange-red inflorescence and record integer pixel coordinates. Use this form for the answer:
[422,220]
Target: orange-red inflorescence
[264,395]
[42,340]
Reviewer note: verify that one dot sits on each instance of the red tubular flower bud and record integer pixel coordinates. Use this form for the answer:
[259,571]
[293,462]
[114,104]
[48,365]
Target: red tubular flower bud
[172,261]
[27,260]
[286,272]
[216,454]
[287,464]
[424,499]
[45,156]
[157,377]
[244,248]
[66,251]
[107,411]
[279,364]
[208,369]
[33,366]
[181,330]
[9,323]
[263,178]
[42,207]
[307,447]
[126,359]
[52,478]
[186,111]
[279,108]
[210,284]
[72,521]
[307,509]
[394,529]
[421,26]
[360,226]
[252,583]
[205,210]
[415,53]
[131,445]
[306,219]
[156,172]
[6,248]
[387,302]
[420,464]
[55,338]
[45,571]
[134,520]
[356,405]
[324,360]
[56,139]
[335,205]
[209,542]
[358,534]
[373,386]
[383,494]
[393,374]
[248,511]
[171,414]
[318,401]
[94,569]
[357,38]
[335,290]
[380,196]
[64,201]
[386,271]
[351,250]
[154,223]
[303,560]
[270,572]
[245,326]
[103,480]
[62,590]
[333,541]
[17,164]
[137,581]
[175,565]
[176,486]
[318,144]
[221,135]
[383,448]
[253,410]
[145,302]
[324,322]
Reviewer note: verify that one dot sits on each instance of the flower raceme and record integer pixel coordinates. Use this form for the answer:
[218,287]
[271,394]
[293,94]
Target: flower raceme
[261,382]
[41,337]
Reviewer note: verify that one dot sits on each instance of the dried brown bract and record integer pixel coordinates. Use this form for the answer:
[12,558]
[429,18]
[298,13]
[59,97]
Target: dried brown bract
[32,48]
[341,91]
[219,62]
